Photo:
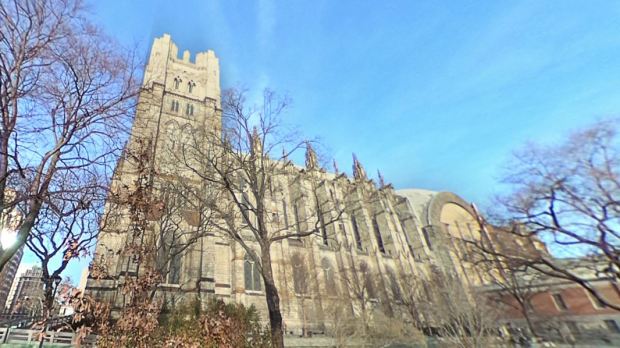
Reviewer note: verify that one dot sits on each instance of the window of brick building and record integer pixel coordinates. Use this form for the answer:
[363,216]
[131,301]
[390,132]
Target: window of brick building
[559,302]
[597,303]
[612,326]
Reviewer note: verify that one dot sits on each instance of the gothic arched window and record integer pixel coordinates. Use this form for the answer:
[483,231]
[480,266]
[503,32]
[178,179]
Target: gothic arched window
[170,258]
[368,285]
[251,274]
[394,285]
[328,274]
[356,233]
[177,82]
[190,86]
[300,275]
[174,273]
[375,227]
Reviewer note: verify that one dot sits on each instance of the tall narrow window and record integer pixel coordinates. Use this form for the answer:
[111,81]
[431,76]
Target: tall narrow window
[328,275]
[190,86]
[394,286]
[177,81]
[174,273]
[368,287]
[251,274]
[427,237]
[300,276]
[297,222]
[356,233]
[187,109]
[322,224]
[375,227]
[285,213]
[172,106]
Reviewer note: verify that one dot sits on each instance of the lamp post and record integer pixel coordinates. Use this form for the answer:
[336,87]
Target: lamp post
[57,280]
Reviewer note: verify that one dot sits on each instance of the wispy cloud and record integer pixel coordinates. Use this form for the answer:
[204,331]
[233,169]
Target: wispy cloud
[266,22]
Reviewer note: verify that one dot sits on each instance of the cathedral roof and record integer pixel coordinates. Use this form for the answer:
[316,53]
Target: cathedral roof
[419,199]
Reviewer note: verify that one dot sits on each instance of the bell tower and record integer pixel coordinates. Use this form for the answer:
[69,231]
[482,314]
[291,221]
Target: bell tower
[179,100]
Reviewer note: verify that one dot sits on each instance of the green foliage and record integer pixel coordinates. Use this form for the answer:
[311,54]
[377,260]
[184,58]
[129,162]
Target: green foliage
[219,324]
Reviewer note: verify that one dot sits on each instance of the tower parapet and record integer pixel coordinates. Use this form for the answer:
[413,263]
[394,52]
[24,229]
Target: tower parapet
[177,74]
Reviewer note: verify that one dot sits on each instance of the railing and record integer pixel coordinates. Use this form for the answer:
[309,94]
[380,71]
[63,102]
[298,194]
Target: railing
[62,339]
[21,321]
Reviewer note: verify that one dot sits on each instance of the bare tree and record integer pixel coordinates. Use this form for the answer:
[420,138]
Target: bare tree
[568,196]
[248,163]
[66,96]
[458,313]
[66,229]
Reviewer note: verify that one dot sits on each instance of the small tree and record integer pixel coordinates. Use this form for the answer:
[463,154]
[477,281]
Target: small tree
[452,310]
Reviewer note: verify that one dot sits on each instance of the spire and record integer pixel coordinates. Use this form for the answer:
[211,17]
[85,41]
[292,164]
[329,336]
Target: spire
[284,155]
[381,179]
[311,159]
[358,171]
[335,167]
[256,141]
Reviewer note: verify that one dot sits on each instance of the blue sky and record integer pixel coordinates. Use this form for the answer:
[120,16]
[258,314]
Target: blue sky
[434,94]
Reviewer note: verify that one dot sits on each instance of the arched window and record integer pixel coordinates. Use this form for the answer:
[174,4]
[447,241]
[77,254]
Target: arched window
[191,110]
[285,213]
[375,227]
[174,274]
[190,86]
[394,285]
[177,82]
[300,275]
[356,233]
[174,106]
[328,274]
[170,258]
[251,274]
[297,220]
[171,136]
[368,285]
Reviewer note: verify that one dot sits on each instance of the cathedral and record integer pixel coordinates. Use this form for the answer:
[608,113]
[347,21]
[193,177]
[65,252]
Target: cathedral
[383,239]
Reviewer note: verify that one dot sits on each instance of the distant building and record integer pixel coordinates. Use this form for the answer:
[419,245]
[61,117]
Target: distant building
[7,276]
[9,222]
[29,293]
[564,311]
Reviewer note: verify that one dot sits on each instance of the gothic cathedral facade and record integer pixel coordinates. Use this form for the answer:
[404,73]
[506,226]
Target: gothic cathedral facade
[379,245]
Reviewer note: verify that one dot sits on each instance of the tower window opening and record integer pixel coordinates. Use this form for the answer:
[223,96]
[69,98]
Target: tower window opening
[174,106]
[189,110]
[177,82]
[375,227]
[356,233]
[190,86]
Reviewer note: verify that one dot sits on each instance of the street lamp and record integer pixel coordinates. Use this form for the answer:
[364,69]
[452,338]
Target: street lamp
[57,279]
[7,238]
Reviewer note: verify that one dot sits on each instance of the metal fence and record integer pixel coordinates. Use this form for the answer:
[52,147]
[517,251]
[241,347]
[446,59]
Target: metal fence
[57,339]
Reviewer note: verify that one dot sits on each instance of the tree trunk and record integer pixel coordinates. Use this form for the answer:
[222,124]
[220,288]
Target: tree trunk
[273,300]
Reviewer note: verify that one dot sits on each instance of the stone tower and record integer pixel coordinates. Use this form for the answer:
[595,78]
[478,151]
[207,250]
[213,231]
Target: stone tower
[179,96]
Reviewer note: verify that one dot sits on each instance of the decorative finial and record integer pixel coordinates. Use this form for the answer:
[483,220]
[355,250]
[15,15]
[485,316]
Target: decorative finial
[311,160]
[358,170]
[256,141]
[381,179]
